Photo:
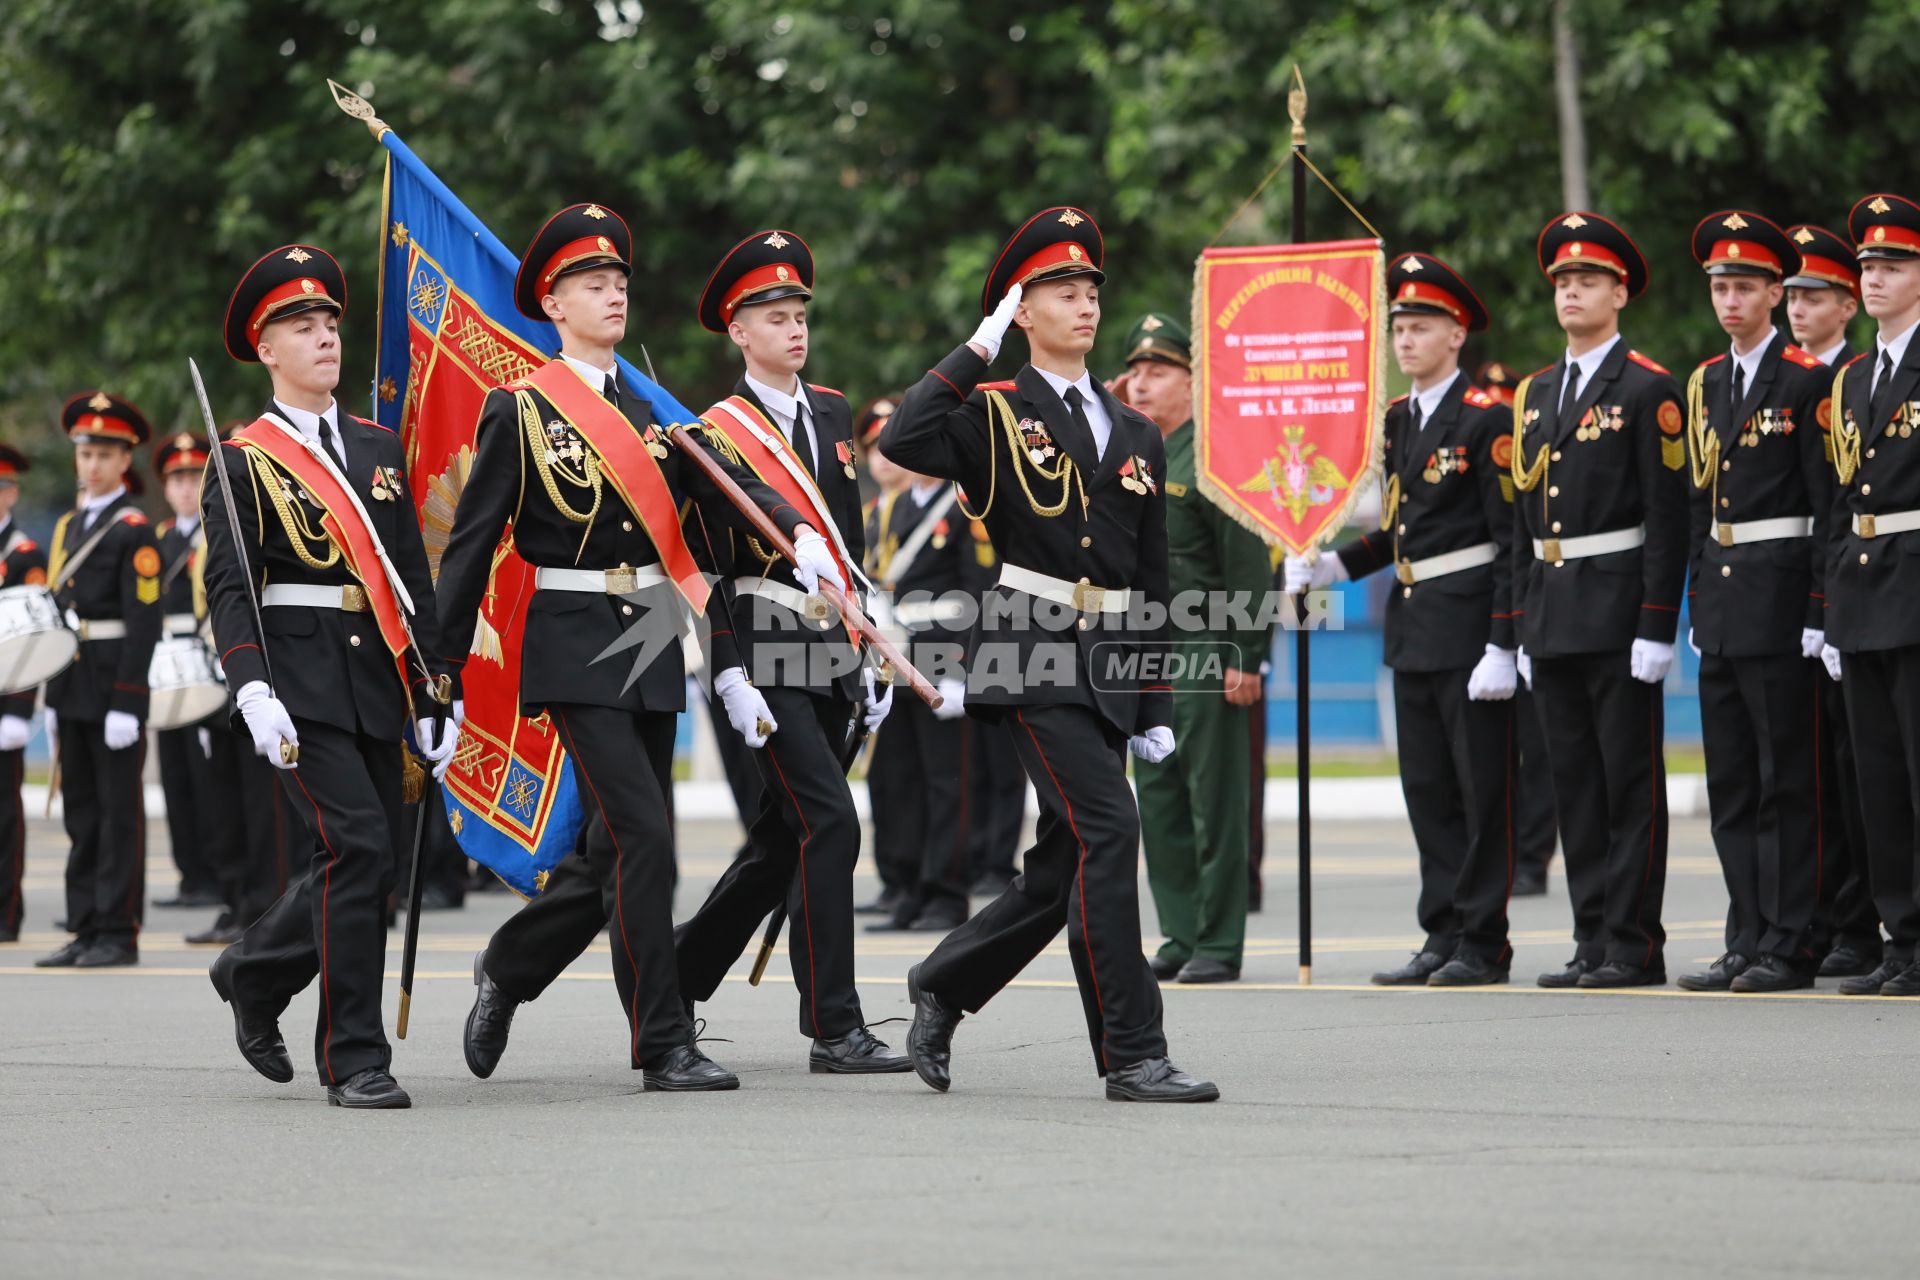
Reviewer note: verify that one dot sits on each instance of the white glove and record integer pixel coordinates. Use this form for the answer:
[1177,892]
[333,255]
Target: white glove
[1524,666]
[437,749]
[814,563]
[1311,575]
[1650,660]
[1493,676]
[1153,746]
[993,330]
[1812,642]
[1831,657]
[1690,644]
[14,732]
[267,721]
[121,730]
[747,711]
[53,728]
[953,699]
[877,705]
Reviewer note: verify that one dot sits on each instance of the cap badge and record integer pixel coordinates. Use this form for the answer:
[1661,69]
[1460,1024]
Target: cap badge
[1879,234]
[100,401]
[1071,218]
[1408,289]
[297,254]
[183,441]
[1573,250]
[1734,222]
[776,241]
[1073,251]
[1411,264]
[1145,344]
[1803,236]
[1733,251]
[1879,205]
[783,273]
[308,286]
[1573,222]
[594,211]
[606,245]
[1150,323]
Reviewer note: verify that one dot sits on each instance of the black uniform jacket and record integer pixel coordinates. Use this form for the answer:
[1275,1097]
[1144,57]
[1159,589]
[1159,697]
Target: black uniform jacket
[1447,488]
[945,569]
[1617,459]
[1873,588]
[120,579]
[1117,540]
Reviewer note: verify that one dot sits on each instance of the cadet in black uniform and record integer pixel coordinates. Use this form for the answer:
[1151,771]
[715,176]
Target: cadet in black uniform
[781,668]
[323,680]
[1068,481]
[1757,544]
[106,574]
[1873,582]
[1446,531]
[1600,559]
[575,461]
[22,564]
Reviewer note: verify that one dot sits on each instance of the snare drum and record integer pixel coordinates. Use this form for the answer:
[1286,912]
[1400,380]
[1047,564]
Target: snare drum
[185,685]
[36,644]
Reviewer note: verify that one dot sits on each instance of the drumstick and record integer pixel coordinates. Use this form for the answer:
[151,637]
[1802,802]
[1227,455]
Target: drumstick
[53,775]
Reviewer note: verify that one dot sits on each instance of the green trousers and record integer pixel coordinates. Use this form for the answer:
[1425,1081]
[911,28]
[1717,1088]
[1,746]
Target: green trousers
[1193,821]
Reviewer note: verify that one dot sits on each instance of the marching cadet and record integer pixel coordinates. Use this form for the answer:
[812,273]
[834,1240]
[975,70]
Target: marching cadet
[575,461]
[1193,806]
[1534,831]
[1446,531]
[1822,299]
[1600,560]
[1068,481]
[106,574]
[314,566]
[1873,631]
[1757,549]
[791,680]
[920,554]
[22,564]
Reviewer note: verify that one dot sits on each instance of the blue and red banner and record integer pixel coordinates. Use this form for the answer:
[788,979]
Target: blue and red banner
[449,333]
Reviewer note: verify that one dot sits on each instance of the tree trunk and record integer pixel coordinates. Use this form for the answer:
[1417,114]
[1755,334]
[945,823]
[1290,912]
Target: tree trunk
[1566,87]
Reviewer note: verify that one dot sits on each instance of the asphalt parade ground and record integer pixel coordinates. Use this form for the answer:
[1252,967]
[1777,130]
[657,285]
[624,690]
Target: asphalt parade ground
[1498,1132]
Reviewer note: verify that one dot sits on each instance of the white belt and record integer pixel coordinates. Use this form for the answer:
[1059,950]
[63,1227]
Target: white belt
[1082,595]
[611,582]
[780,593]
[1741,532]
[923,611]
[180,624]
[1589,544]
[97,628]
[1883,523]
[1412,571]
[352,598]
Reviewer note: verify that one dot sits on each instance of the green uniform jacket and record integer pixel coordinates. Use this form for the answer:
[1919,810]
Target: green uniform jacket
[1207,551]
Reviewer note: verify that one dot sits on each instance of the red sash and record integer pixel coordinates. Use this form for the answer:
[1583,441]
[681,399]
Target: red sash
[799,492]
[627,458]
[343,524]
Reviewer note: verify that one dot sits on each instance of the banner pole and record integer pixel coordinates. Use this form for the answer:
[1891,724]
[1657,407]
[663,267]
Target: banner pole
[1297,109]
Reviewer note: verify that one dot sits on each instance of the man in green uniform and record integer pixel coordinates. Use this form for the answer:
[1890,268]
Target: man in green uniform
[1193,805]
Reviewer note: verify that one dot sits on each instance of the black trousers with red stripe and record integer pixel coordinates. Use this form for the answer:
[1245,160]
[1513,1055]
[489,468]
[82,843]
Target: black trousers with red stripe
[1082,873]
[331,923]
[800,850]
[619,879]
[1883,704]
[106,818]
[1605,733]
[1456,760]
[13,841]
[1758,719]
[918,784]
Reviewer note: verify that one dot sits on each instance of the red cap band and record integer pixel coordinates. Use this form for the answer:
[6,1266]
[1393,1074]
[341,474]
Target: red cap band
[774,273]
[1431,295]
[104,424]
[1743,252]
[574,252]
[280,296]
[1066,253]
[1898,237]
[1576,254]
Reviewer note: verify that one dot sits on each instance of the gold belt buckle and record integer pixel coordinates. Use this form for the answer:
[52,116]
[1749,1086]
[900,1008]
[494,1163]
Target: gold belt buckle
[1725,533]
[621,581]
[1552,547]
[1403,570]
[1866,526]
[1088,598]
[353,598]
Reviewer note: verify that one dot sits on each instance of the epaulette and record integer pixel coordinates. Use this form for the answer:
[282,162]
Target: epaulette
[1645,363]
[165,526]
[1396,400]
[872,505]
[1479,399]
[369,422]
[1544,369]
[1717,359]
[1008,385]
[826,391]
[1800,356]
[134,517]
[27,544]
[1856,360]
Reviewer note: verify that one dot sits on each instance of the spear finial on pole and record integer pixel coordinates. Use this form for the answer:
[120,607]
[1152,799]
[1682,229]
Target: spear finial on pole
[362,110]
[1297,107]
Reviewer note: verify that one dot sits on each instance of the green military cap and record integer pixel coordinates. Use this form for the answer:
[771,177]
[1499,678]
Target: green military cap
[1159,336]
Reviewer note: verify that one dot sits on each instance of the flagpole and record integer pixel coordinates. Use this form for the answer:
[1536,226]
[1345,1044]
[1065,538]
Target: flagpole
[1297,109]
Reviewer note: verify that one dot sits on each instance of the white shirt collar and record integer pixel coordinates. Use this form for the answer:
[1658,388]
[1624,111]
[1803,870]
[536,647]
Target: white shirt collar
[309,423]
[1750,362]
[184,525]
[1095,408]
[1832,353]
[595,376]
[93,505]
[1897,348]
[1590,363]
[1429,400]
[783,403]
[921,490]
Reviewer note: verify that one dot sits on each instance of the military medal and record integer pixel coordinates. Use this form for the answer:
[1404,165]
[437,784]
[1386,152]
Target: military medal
[843,449]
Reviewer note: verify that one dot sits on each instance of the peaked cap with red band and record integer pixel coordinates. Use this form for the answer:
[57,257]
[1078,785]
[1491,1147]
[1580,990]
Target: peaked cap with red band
[292,279]
[94,417]
[1421,284]
[1054,244]
[1579,241]
[765,267]
[1497,380]
[12,463]
[1885,226]
[1735,242]
[578,238]
[1826,260]
[183,452]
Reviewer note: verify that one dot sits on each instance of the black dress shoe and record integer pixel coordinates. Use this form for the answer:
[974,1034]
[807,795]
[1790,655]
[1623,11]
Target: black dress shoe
[258,1037]
[1201,969]
[370,1090]
[1165,968]
[930,1040]
[9,935]
[1617,973]
[857,1053]
[1869,984]
[1414,973]
[1848,961]
[195,897]
[225,930]
[1568,977]
[684,1069]
[107,955]
[1158,1080]
[1528,882]
[1904,983]
[1718,976]
[885,905]
[63,958]
[1468,970]
[937,920]
[488,1022]
[1772,973]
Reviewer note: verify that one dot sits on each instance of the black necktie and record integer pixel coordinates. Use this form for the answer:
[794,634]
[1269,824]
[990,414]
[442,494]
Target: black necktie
[1570,394]
[1078,410]
[802,446]
[1877,403]
[612,388]
[1417,415]
[1739,386]
[333,450]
